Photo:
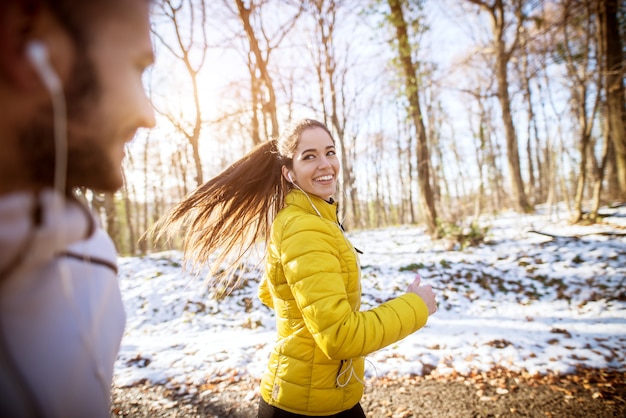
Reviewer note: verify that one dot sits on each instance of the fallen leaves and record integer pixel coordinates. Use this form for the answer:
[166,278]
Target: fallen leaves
[490,385]
[565,332]
[139,361]
[499,343]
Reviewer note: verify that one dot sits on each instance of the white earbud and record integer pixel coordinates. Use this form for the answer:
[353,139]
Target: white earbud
[289,177]
[37,54]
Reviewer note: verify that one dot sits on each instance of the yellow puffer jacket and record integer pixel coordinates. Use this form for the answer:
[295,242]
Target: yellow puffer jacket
[312,281]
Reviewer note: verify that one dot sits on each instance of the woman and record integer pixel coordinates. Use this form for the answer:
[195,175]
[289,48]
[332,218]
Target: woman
[312,275]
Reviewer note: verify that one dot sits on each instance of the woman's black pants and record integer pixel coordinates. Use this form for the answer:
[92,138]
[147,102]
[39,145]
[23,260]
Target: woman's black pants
[268,411]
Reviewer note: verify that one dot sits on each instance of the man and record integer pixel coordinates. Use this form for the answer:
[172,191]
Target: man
[71,96]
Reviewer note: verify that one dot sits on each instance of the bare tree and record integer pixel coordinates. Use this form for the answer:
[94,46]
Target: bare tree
[555,151]
[499,23]
[412,89]
[278,79]
[187,19]
[577,52]
[131,227]
[488,174]
[331,75]
[404,145]
[527,72]
[261,46]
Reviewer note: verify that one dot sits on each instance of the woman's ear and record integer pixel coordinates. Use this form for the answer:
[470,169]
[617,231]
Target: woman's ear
[287,174]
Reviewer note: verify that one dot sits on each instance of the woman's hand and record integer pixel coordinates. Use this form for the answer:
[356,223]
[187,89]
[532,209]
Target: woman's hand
[425,292]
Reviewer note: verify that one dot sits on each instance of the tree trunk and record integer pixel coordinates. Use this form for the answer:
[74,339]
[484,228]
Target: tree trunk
[112,225]
[534,179]
[597,186]
[614,85]
[269,106]
[502,57]
[495,174]
[181,47]
[582,176]
[480,149]
[582,75]
[412,92]
[130,219]
[332,99]
[520,201]
[255,93]
[378,174]
[408,212]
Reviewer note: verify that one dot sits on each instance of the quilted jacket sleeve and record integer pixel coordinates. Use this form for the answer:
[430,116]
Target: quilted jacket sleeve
[264,293]
[313,268]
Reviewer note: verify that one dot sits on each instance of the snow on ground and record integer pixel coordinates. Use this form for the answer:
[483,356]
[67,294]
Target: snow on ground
[523,301]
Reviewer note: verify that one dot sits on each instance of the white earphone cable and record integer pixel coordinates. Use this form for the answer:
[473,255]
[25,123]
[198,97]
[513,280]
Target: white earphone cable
[308,198]
[38,54]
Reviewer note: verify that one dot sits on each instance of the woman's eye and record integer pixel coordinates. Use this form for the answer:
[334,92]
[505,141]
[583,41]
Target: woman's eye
[331,153]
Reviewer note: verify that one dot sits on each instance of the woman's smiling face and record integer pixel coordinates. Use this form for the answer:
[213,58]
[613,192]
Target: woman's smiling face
[315,163]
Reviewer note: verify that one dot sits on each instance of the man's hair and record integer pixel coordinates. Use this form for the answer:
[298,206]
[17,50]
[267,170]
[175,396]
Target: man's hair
[78,16]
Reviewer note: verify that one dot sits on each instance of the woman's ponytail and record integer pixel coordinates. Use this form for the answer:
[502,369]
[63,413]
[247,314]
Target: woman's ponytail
[225,217]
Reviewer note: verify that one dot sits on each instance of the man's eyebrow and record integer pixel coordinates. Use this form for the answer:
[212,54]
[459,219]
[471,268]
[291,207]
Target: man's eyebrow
[313,149]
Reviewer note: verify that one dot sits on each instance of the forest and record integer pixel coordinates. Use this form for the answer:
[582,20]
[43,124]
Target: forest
[442,110]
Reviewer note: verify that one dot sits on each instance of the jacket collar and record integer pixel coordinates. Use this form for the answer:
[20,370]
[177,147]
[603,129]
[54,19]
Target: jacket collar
[326,209]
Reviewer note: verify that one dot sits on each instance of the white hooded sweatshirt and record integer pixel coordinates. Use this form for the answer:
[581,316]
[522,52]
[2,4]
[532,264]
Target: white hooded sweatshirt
[61,312]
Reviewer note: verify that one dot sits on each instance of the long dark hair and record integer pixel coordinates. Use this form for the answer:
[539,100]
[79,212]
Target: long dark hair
[225,217]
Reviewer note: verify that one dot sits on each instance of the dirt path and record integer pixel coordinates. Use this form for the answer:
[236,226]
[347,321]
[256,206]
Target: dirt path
[499,393]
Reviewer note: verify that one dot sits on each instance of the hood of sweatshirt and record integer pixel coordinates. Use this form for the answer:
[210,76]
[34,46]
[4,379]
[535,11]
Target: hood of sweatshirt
[35,227]
[61,312]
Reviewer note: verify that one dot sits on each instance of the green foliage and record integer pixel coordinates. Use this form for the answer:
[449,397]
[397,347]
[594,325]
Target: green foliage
[469,236]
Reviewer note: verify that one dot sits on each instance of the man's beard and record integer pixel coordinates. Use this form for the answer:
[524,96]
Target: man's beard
[38,142]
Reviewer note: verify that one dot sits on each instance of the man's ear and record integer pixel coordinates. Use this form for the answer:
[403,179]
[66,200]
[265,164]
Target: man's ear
[16,23]
[21,24]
